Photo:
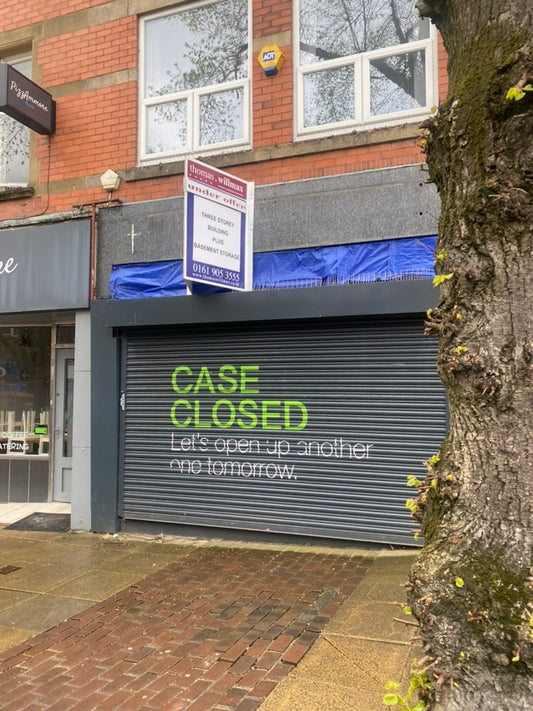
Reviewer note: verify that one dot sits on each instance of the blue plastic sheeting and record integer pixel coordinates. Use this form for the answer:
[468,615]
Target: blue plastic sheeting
[410,258]
[133,281]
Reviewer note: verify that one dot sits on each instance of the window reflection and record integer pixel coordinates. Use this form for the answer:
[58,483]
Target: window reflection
[24,389]
[15,140]
[195,78]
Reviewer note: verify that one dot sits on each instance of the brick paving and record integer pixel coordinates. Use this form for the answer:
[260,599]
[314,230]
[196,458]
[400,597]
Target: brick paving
[218,629]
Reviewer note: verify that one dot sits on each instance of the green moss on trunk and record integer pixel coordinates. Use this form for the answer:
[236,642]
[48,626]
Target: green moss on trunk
[476,525]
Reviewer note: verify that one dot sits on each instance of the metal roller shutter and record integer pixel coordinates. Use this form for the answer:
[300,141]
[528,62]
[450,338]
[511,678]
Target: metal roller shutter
[309,428]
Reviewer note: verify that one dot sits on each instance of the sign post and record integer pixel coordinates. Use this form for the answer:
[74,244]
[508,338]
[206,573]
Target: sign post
[218,247]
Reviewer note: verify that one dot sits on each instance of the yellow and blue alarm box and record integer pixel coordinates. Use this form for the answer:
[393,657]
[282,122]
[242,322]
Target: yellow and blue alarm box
[271,58]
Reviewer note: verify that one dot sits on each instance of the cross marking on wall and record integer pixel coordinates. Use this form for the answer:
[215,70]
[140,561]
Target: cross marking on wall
[133,234]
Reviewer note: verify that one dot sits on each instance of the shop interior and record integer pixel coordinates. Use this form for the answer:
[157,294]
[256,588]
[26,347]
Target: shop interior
[25,355]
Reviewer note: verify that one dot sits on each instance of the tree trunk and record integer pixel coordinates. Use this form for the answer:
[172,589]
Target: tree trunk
[470,587]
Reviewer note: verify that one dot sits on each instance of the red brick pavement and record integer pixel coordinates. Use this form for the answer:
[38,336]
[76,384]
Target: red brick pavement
[218,629]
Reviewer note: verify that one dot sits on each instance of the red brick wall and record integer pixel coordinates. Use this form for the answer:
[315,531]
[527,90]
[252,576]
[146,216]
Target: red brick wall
[97,127]
[91,52]
[442,70]
[272,108]
[28,12]
[271,17]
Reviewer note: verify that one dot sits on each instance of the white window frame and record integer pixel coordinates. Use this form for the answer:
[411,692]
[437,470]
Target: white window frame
[4,184]
[361,65]
[192,96]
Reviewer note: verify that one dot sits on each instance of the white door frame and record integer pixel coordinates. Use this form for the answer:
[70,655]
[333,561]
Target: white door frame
[63,424]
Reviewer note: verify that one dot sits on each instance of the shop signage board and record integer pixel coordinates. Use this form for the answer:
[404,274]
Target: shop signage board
[218,246]
[25,101]
[45,267]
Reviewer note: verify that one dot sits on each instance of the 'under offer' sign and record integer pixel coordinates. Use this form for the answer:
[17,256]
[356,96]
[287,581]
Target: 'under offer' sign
[218,246]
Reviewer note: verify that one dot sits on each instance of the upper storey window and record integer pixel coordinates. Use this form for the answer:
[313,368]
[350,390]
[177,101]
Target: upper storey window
[15,139]
[195,80]
[362,62]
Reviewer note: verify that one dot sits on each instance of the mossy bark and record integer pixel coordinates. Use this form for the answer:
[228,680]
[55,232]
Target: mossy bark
[470,588]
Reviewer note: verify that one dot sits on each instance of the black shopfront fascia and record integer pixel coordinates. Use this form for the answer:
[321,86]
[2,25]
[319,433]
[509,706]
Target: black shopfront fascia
[45,267]
[113,318]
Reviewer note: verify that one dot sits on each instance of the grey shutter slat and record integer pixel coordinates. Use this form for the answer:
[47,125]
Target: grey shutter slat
[371,384]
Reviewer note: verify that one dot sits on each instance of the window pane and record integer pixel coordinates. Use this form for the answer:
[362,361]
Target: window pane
[68,407]
[329,96]
[15,141]
[198,47]
[166,127]
[15,159]
[221,116]
[65,333]
[338,28]
[24,389]
[397,83]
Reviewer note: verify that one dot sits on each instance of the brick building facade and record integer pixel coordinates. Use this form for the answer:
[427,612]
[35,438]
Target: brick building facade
[331,144]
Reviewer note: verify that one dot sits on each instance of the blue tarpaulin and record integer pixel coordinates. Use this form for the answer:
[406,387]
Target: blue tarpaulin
[410,258]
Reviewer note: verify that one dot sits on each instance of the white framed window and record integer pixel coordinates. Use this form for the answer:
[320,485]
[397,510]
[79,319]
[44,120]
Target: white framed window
[361,63]
[15,138]
[194,80]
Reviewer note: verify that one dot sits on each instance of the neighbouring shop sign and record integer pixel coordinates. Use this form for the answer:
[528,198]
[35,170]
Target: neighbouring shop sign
[218,246]
[25,101]
[45,267]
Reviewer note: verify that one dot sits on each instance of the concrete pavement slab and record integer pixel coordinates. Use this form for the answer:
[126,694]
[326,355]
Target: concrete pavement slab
[372,620]
[10,637]
[340,674]
[97,585]
[388,576]
[11,598]
[41,612]
[38,577]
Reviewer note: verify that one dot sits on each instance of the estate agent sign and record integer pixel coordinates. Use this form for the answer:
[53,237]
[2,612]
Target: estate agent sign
[218,227]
